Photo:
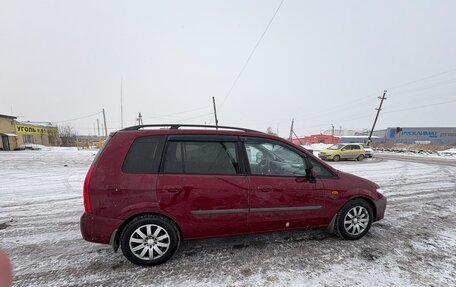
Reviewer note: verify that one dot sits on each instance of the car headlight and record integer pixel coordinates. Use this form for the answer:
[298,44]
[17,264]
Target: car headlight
[380,190]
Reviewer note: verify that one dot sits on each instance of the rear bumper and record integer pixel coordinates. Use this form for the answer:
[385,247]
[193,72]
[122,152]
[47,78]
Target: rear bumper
[98,229]
[380,206]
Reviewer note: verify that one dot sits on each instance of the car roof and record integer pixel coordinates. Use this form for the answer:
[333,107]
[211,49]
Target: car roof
[186,129]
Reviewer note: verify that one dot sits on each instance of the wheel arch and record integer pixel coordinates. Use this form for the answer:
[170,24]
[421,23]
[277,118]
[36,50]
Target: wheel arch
[115,237]
[367,199]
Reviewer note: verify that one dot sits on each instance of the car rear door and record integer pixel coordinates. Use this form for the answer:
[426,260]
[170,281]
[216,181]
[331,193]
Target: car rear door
[355,150]
[281,196]
[203,186]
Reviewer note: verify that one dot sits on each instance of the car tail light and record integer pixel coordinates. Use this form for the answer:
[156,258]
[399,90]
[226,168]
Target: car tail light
[86,195]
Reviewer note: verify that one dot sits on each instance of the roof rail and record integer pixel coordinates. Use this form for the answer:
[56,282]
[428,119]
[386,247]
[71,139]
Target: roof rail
[177,126]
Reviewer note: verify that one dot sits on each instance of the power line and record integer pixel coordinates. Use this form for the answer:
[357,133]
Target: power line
[195,117]
[367,98]
[422,79]
[430,86]
[419,107]
[187,111]
[387,112]
[251,53]
[80,118]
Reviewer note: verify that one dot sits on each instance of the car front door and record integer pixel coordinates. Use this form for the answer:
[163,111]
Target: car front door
[345,152]
[281,196]
[203,186]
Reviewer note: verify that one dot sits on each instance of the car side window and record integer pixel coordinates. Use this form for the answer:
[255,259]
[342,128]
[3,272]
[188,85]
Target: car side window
[201,158]
[267,157]
[355,147]
[144,155]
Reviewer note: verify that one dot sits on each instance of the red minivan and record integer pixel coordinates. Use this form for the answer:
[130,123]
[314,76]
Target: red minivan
[152,186]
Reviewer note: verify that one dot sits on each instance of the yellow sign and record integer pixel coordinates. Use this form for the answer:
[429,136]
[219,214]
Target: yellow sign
[29,129]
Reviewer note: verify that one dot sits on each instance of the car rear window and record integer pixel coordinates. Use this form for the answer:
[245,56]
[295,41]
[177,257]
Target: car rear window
[144,155]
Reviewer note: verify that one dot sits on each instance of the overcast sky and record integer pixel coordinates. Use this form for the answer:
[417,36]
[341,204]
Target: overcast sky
[320,62]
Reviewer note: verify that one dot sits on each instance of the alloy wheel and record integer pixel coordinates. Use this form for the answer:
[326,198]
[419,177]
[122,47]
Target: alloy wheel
[356,220]
[149,242]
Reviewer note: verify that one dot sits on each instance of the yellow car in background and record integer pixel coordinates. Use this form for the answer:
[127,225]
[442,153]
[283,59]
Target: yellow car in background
[343,151]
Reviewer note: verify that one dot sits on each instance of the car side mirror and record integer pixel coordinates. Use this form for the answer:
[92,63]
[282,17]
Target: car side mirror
[311,175]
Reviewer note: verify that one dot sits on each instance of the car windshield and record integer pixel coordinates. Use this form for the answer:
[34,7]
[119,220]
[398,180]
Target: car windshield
[336,146]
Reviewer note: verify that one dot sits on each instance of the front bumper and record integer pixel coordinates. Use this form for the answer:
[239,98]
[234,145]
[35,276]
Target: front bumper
[380,206]
[98,229]
[325,156]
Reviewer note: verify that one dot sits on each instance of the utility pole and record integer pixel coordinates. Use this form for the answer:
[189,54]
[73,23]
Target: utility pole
[290,137]
[98,126]
[215,113]
[139,119]
[297,138]
[105,127]
[332,139]
[378,112]
[121,104]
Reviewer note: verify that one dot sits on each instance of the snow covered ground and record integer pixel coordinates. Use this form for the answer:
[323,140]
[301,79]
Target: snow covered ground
[449,153]
[415,245]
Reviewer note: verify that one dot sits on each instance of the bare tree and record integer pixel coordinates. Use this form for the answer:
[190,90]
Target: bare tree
[67,135]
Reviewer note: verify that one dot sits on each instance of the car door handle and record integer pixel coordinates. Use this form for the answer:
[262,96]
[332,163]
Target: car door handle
[172,188]
[265,188]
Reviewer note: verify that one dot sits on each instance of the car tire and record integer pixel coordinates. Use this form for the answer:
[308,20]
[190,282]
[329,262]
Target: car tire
[360,157]
[354,219]
[336,157]
[150,240]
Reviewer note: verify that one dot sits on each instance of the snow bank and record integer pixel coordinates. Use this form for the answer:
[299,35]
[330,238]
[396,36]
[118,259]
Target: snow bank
[448,152]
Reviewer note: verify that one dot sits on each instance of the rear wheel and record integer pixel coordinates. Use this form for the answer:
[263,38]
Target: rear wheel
[354,219]
[360,157]
[336,158]
[149,240]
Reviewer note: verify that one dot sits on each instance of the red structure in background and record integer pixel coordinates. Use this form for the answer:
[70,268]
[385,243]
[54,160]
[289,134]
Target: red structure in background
[320,138]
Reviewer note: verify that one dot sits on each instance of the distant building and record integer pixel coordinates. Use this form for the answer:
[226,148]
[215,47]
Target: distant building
[8,133]
[36,133]
[16,134]
[339,132]
[357,139]
[319,138]
[424,135]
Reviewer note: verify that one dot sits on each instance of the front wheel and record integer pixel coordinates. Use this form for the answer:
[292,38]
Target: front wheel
[336,158]
[354,219]
[149,240]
